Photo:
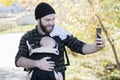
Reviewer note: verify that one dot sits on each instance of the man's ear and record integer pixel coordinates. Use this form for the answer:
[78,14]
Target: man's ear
[38,20]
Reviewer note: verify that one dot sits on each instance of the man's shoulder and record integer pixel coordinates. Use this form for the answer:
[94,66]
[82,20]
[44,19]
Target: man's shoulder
[27,34]
[60,31]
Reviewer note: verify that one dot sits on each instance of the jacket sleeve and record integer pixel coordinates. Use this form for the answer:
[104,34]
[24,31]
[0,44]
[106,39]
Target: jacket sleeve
[74,44]
[23,49]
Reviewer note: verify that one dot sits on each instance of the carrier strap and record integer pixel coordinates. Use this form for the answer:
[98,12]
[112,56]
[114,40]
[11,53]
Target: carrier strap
[44,50]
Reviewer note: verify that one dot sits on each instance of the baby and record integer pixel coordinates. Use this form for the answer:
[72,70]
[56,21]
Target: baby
[48,49]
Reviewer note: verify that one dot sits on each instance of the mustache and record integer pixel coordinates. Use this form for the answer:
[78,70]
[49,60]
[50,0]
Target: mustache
[50,25]
[40,23]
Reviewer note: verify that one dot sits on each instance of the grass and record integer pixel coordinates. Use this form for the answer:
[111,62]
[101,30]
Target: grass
[17,29]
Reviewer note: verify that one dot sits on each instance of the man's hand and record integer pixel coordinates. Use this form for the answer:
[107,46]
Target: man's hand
[94,47]
[58,76]
[100,42]
[44,64]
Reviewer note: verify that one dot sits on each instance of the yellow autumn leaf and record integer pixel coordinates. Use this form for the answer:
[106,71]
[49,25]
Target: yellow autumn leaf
[7,2]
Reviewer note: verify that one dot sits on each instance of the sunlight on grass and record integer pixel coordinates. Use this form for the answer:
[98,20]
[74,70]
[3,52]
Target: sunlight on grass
[18,29]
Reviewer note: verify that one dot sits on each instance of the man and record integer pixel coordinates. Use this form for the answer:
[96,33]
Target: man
[45,17]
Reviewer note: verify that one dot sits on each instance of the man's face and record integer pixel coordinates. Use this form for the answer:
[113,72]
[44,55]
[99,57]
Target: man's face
[47,23]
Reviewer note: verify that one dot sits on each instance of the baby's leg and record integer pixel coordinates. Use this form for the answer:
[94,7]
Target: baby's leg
[29,75]
[38,74]
[58,75]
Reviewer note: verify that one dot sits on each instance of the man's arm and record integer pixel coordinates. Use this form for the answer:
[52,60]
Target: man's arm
[41,64]
[83,48]
[25,62]
[23,51]
[22,58]
[92,48]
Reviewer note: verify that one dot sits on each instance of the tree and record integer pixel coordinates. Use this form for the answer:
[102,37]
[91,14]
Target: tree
[7,2]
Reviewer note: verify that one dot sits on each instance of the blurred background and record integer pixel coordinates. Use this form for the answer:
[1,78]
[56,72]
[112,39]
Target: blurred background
[79,18]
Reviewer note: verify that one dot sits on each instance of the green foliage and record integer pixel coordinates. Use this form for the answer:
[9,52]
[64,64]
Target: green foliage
[4,25]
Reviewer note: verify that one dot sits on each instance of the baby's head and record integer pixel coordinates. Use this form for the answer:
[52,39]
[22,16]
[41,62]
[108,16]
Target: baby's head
[47,42]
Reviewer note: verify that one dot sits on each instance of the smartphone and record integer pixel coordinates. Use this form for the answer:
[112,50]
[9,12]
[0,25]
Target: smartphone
[98,30]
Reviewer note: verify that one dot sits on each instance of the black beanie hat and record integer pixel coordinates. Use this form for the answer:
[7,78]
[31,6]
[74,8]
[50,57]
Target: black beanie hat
[43,9]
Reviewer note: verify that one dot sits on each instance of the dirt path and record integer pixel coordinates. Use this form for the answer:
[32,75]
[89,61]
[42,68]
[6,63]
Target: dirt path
[11,73]
[8,49]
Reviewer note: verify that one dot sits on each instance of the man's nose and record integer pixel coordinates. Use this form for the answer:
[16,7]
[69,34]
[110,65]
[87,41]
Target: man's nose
[51,22]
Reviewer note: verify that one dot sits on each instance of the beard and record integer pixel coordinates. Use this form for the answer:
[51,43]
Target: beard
[47,29]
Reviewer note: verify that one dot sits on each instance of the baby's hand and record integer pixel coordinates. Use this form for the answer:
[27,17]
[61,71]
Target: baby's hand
[58,76]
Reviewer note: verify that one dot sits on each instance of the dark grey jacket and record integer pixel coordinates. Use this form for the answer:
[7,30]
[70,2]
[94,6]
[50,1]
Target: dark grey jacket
[62,37]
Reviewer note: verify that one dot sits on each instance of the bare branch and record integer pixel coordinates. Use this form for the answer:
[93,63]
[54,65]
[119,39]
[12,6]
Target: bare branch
[108,38]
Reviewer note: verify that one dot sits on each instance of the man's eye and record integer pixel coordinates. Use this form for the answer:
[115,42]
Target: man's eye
[47,19]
